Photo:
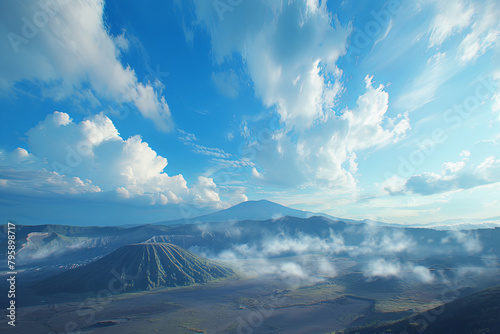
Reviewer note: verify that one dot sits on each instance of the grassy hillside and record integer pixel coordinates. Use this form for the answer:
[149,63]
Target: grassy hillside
[139,267]
[477,314]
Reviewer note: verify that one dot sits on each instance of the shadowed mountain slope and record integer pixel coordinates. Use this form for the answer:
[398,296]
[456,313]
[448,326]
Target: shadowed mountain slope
[137,267]
[473,314]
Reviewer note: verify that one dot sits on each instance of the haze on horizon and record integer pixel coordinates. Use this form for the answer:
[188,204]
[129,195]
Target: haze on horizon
[117,112]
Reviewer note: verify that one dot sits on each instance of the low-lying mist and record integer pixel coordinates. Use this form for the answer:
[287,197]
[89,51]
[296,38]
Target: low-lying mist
[371,251]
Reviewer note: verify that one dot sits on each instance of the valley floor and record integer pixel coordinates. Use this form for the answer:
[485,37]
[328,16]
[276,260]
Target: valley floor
[238,305]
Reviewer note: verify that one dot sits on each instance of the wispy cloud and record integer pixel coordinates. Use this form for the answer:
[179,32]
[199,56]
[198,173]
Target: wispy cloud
[190,140]
[451,18]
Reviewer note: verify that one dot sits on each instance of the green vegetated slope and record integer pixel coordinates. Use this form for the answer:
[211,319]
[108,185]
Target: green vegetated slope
[138,267]
[477,313]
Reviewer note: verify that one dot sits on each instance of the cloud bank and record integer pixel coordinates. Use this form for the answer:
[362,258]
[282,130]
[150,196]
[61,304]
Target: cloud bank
[91,157]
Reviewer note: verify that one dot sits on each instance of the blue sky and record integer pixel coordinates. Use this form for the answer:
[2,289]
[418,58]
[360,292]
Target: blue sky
[119,112]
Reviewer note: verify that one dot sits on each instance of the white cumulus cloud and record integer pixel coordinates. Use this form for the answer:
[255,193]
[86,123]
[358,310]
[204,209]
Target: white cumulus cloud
[65,47]
[290,50]
[91,156]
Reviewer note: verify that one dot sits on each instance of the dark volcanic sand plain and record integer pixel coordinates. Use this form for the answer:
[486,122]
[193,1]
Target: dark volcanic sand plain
[235,305]
[222,307]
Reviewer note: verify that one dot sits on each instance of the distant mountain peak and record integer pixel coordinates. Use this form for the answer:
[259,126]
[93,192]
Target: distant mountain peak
[262,209]
[257,202]
[254,210]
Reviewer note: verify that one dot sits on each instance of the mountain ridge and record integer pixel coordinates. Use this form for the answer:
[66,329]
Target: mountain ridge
[249,210]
